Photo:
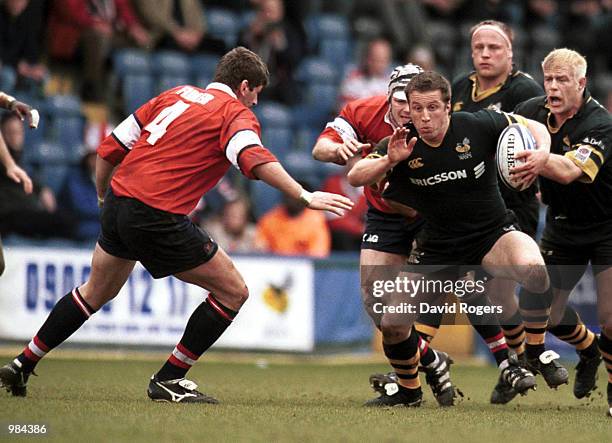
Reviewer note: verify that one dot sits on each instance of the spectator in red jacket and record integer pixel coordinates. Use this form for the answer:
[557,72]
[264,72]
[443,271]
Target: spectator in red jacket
[96,27]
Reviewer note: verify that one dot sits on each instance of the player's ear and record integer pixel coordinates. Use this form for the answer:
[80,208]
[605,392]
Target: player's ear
[243,87]
[582,83]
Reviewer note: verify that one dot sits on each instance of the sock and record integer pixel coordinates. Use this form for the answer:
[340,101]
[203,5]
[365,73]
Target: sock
[573,331]
[514,331]
[429,358]
[487,326]
[535,309]
[68,314]
[404,357]
[206,324]
[429,325]
[605,346]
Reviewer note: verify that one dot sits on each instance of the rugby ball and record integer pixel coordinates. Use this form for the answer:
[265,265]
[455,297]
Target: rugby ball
[514,139]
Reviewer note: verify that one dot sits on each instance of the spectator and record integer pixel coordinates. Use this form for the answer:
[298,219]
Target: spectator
[279,44]
[291,229]
[95,27]
[78,196]
[32,215]
[346,231]
[372,76]
[232,230]
[422,56]
[178,25]
[20,36]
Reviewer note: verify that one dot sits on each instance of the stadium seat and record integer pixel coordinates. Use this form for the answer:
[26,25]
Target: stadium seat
[276,123]
[53,176]
[326,26]
[264,197]
[336,51]
[131,61]
[316,70]
[66,122]
[223,24]
[203,68]
[137,90]
[171,69]
[8,79]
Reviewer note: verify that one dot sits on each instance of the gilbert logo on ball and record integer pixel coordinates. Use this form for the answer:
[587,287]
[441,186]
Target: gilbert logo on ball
[514,139]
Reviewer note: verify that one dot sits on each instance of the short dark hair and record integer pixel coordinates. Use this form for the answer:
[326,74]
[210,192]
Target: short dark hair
[242,64]
[429,81]
[501,25]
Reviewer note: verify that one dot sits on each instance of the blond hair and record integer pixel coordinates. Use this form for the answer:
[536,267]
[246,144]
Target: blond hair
[563,57]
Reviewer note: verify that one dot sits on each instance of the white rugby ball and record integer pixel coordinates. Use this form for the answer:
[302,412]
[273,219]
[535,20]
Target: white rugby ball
[514,139]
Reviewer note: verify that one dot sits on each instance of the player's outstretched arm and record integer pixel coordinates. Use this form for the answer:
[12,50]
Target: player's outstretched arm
[371,170]
[328,150]
[275,175]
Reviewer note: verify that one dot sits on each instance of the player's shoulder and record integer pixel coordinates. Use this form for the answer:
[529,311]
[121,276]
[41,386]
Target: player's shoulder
[524,83]
[532,106]
[462,81]
[363,108]
[596,115]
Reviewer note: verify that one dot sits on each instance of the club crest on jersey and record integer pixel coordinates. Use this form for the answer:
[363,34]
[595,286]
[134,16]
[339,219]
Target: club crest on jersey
[582,154]
[463,149]
[495,107]
[416,163]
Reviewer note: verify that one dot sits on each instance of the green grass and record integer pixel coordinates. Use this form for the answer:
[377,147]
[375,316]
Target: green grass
[105,401]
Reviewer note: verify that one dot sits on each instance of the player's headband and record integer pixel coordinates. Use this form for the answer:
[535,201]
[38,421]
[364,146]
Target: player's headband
[496,29]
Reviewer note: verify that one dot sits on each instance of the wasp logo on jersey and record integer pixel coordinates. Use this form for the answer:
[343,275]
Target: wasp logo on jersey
[495,107]
[463,149]
[416,163]
[439,178]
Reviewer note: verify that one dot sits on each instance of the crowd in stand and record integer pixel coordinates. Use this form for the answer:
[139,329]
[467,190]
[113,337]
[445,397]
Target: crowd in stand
[48,44]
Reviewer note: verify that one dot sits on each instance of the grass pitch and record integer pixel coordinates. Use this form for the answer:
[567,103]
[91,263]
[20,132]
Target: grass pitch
[105,401]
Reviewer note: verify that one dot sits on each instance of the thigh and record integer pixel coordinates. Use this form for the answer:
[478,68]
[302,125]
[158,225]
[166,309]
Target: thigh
[512,249]
[108,275]
[219,276]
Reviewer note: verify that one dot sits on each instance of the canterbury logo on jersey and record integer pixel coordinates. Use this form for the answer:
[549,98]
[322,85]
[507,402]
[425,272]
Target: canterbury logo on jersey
[439,178]
[416,163]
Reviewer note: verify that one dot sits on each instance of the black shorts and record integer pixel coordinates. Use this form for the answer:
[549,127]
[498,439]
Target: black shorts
[163,242]
[390,233]
[528,216]
[568,247]
[434,254]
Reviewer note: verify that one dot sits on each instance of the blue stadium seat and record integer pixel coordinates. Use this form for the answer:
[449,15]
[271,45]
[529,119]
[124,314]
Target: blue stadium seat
[336,51]
[66,122]
[171,63]
[137,90]
[204,65]
[276,123]
[316,70]
[8,79]
[326,26]
[264,197]
[53,176]
[223,24]
[166,82]
[131,61]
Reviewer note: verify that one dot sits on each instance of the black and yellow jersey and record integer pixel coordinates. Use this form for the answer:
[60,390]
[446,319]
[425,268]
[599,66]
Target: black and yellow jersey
[454,185]
[586,139]
[517,88]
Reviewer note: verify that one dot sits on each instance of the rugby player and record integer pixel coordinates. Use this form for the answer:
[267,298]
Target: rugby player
[496,84]
[576,184]
[161,160]
[466,220]
[388,236]
[13,171]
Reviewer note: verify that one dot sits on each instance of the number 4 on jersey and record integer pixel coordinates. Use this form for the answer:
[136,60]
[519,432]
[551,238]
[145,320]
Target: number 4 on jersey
[158,127]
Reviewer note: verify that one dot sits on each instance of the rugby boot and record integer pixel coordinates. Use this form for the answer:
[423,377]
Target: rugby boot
[396,395]
[438,379]
[379,381]
[14,379]
[549,368]
[180,390]
[503,392]
[585,380]
[517,377]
